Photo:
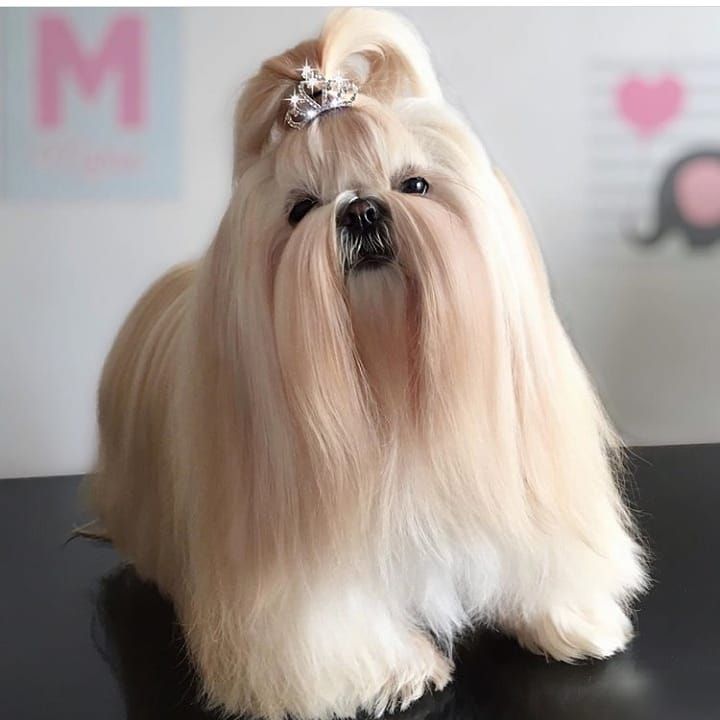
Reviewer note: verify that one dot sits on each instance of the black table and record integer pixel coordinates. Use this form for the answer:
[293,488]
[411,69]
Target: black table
[84,638]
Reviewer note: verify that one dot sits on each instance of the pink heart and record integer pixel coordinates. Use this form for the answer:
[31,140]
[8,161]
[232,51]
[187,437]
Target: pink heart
[646,105]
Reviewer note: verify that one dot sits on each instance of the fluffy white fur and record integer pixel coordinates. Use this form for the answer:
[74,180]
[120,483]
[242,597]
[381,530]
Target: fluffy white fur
[333,476]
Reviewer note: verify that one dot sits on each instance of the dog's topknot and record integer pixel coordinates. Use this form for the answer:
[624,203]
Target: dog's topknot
[379,50]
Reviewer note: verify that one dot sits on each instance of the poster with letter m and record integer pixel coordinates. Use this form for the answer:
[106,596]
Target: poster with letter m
[90,103]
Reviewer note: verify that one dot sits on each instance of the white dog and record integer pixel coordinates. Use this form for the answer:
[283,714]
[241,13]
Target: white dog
[356,428]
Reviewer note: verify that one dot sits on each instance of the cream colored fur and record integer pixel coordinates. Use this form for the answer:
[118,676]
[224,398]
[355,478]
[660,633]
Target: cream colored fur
[333,476]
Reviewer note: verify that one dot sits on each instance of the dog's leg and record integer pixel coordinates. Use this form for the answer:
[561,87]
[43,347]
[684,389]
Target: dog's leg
[422,669]
[568,599]
[326,653]
[571,630]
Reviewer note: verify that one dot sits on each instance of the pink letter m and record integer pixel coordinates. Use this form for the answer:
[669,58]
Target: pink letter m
[59,53]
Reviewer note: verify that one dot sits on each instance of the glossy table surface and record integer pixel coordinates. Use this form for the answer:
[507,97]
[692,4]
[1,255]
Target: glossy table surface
[83,638]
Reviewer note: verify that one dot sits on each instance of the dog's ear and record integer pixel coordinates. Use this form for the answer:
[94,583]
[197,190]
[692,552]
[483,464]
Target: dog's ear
[562,427]
[537,265]
[380,51]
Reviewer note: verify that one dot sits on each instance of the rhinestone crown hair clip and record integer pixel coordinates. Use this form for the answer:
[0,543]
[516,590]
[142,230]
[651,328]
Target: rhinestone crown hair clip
[316,94]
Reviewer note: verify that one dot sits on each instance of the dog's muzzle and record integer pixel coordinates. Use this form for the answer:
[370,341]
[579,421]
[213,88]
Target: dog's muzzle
[363,233]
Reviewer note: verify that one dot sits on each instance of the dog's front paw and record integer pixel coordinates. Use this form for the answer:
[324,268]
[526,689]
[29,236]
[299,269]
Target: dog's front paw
[425,669]
[569,633]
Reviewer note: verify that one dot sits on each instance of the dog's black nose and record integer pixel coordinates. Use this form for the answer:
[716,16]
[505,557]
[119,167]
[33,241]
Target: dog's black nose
[364,234]
[361,215]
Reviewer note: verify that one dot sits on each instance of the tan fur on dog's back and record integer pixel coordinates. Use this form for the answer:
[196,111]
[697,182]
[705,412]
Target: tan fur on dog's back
[129,489]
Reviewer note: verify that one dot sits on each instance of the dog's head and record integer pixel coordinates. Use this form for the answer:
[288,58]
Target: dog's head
[365,230]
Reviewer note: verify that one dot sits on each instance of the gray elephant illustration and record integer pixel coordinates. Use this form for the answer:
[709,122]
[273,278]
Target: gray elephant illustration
[689,200]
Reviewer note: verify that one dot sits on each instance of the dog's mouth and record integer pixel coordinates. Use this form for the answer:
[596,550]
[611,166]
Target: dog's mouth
[371,262]
[366,250]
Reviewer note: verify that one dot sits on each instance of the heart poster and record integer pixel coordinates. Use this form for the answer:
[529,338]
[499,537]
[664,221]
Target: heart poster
[654,153]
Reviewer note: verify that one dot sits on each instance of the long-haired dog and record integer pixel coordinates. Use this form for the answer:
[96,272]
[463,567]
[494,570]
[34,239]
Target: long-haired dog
[356,427]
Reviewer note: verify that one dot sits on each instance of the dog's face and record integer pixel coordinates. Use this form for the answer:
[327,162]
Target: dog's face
[351,165]
[364,225]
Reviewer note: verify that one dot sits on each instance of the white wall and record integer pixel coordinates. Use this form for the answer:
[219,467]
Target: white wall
[645,323]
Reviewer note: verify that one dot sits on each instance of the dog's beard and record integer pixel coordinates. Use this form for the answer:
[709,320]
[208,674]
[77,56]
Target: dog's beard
[375,361]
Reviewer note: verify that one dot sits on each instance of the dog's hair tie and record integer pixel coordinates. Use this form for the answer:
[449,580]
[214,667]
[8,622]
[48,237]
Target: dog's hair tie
[316,94]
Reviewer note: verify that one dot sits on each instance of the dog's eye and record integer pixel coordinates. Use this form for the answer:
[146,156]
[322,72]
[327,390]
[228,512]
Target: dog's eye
[415,186]
[300,209]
